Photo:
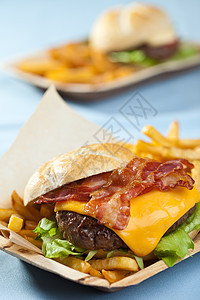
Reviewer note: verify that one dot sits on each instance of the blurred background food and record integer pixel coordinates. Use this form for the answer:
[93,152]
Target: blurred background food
[123,40]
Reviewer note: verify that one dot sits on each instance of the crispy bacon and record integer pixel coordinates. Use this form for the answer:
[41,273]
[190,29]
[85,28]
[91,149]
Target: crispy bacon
[108,194]
[78,190]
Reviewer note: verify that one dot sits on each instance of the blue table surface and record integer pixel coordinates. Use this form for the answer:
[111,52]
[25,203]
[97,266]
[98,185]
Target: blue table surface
[27,26]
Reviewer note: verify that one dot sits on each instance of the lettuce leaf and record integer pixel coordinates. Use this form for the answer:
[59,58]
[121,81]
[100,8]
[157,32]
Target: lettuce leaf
[91,254]
[175,245]
[193,221]
[53,243]
[140,261]
[185,50]
[133,57]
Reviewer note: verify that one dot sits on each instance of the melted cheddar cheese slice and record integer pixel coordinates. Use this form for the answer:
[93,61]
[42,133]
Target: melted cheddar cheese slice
[151,215]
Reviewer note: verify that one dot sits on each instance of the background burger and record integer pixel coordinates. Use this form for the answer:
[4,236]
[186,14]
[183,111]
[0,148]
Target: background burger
[137,33]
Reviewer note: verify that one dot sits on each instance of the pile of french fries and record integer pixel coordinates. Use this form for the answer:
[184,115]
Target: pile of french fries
[23,220]
[75,63]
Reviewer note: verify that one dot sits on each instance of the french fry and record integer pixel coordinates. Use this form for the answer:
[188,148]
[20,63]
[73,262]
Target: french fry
[95,273]
[156,136]
[25,232]
[173,133]
[79,75]
[39,66]
[103,254]
[5,233]
[130,147]
[72,55]
[188,143]
[196,174]
[115,263]
[172,139]
[5,214]
[37,243]
[75,263]
[113,276]
[46,210]
[16,198]
[4,223]
[28,212]
[15,223]
[168,152]
[30,225]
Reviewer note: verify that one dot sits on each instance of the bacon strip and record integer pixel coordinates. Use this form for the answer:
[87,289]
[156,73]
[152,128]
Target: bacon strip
[109,194]
[78,190]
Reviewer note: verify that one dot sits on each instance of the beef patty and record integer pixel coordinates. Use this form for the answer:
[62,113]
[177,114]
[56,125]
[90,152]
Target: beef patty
[161,52]
[84,231]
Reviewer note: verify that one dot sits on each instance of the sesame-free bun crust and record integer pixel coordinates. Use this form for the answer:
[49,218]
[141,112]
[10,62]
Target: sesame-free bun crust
[129,26]
[78,164]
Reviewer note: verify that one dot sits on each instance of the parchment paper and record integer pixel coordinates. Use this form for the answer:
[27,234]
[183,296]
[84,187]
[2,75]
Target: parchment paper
[53,129]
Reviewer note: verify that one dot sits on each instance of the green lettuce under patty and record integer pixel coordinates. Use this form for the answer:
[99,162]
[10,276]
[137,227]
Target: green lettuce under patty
[54,245]
[138,57]
[175,245]
[171,247]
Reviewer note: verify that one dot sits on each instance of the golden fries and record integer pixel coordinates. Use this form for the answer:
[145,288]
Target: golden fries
[170,147]
[3,223]
[188,143]
[28,212]
[75,63]
[79,75]
[25,232]
[167,152]
[30,225]
[115,263]
[113,276]
[75,263]
[196,174]
[39,66]
[46,211]
[15,223]
[5,214]
[156,136]
[32,240]
[173,133]
[95,273]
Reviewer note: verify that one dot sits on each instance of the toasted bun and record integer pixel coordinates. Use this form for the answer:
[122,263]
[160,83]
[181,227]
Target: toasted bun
[78,164]
[130,26]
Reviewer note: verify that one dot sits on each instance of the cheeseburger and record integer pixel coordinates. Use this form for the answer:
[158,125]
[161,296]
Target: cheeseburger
[105,198]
